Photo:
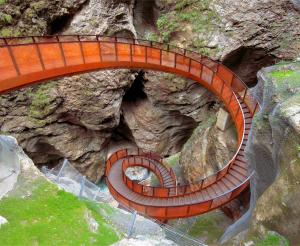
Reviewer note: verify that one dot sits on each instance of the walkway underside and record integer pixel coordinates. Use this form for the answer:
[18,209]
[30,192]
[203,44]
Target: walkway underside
[28,60]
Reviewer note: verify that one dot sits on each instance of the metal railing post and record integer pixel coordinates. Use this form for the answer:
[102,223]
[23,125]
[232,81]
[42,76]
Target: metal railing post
[39,53]
[96,194]
[61,50]
[61,170]
[81,187]
[130,231]
[12,56]
[81,49]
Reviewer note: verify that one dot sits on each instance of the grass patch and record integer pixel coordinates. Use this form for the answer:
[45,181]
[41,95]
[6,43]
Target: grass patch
[189,14]
[273,239]
[9,32]
[41,101]
[282,74]
[167,25]
[2,2]
[51,217]
[5,18]
[206,226]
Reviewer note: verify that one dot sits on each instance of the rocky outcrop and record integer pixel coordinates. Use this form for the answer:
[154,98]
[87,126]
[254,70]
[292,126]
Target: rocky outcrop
[245,35]
[157,130]
[9,166]
[26,17]
[173,93]
[72,118]
[14,166]
[207,150]
[273,153]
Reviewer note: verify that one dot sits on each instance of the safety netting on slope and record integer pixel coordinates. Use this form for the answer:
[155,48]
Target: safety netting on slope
[71,180]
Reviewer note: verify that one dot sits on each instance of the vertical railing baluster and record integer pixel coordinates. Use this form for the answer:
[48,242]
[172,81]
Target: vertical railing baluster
[256,107]
[190,64]
[212,80]
[201,70]
[99,47]
[61,50]
[160,61]
[222,88]
[81,49]
[39,53]
[245,93]
[131,59]
[116,48]
[12,56]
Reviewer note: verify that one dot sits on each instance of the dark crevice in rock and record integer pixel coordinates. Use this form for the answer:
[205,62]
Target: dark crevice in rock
[247,61]
[136,91]
[145,15]
[44,154]
[59,24]
[122,132]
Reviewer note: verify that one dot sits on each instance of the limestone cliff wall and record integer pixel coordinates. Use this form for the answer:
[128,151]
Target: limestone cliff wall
[274,155]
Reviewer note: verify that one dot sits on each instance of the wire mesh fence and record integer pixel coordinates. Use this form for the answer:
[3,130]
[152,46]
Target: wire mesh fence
[69,179]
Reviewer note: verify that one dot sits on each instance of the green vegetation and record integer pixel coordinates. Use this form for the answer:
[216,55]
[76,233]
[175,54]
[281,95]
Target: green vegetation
[9,32]
[193,17]
[167,24]
[207,226]
[173,160]
[41,101]
[286,81]
[2,2]
[6,18]
[282,74]
[49,216]
[151,36]
[273,239]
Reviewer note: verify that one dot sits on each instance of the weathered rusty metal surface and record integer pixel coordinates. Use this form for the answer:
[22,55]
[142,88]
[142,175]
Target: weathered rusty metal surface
[29,60]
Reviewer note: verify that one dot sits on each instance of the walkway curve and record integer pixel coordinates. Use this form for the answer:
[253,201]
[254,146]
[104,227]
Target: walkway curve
[28,60]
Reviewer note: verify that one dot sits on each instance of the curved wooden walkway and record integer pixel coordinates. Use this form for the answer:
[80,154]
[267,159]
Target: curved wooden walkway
[28,60]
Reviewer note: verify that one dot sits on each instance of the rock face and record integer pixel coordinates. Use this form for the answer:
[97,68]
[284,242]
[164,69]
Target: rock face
[36,17]
[3,221]
[14,162]
[157,130]
[273,152]
[207,150]
[9,166]
[275,149]
[71,118]
[245,35]
[173,93]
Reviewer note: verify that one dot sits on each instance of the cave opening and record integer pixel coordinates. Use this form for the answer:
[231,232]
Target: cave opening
[145,15]
[136,91]
[59,24]
[44,154]
[247,61]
